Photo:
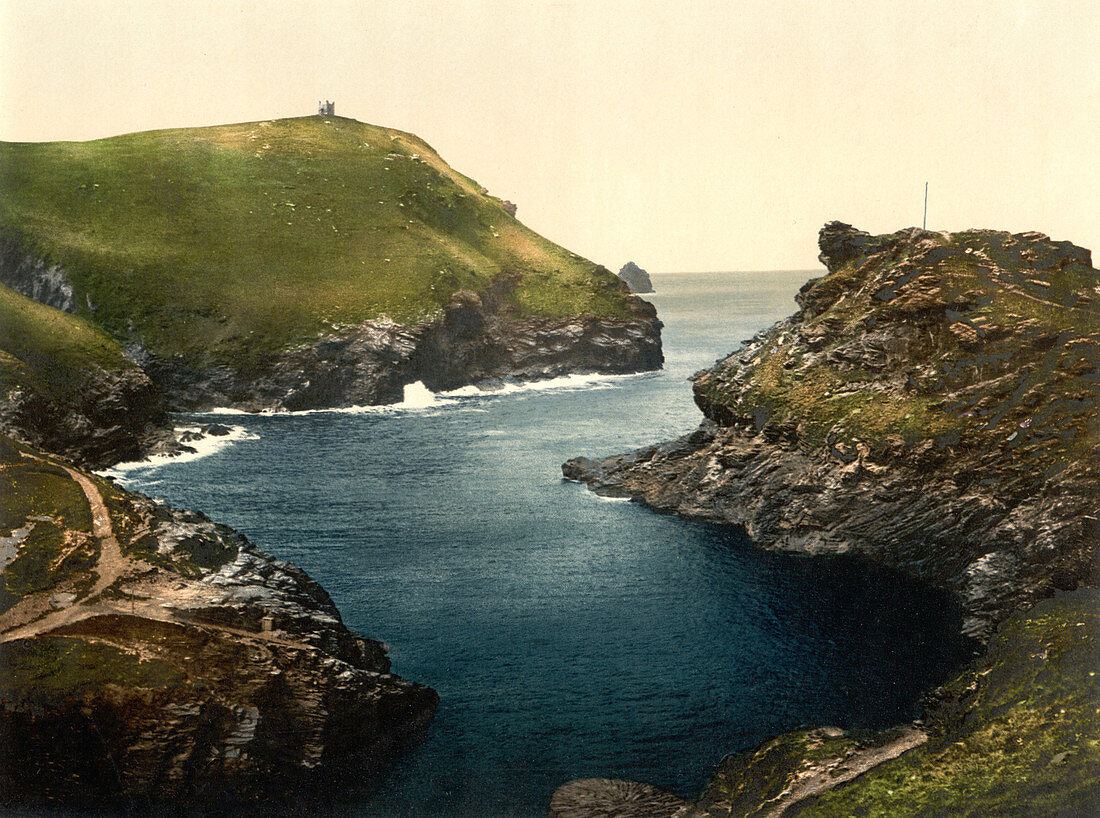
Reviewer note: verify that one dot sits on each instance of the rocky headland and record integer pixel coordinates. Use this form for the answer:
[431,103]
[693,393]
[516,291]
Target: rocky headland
[472,340]
[323,263]
[154,659]
[933,405]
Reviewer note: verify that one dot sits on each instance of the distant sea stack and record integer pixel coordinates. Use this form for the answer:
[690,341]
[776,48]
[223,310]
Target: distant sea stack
[636,278]
[933,406]
[303,263]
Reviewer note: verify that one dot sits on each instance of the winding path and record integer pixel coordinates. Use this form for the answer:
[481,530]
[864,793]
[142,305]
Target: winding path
[109,567]
[25,619]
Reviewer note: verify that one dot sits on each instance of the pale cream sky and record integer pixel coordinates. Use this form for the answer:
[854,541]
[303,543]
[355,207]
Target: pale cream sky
[682,135]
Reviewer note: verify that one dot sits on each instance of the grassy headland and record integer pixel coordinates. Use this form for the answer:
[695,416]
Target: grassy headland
[220,244]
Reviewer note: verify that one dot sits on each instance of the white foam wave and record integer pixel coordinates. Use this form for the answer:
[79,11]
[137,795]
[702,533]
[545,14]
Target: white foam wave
[418,397]
[203,447]
[607,499]
[564,382]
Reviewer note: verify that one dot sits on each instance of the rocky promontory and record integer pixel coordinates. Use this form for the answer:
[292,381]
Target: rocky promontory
[474,339]
[321,262]
[933,405]
[152,658]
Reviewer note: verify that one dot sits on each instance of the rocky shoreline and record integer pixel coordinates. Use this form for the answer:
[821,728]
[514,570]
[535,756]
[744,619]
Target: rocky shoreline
[476,339]
[196,670]
[932,406]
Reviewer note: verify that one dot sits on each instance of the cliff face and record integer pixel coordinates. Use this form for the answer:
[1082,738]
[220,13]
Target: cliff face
[475,338]
[65,385]
[933,405]
[153,657]
[108,417]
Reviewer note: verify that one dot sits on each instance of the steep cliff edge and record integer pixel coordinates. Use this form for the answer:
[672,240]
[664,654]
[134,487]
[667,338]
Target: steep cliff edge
[152,658]
[303,263]
[933,405]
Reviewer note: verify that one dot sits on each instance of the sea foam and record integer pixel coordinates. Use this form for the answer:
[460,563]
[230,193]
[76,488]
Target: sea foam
[203,447]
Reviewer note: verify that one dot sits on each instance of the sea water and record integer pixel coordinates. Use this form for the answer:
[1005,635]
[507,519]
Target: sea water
[567,635]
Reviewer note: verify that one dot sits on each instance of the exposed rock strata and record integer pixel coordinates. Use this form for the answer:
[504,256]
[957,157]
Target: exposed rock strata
[934,406]
[914,411]
[475,339]
[34,277]
[196,670]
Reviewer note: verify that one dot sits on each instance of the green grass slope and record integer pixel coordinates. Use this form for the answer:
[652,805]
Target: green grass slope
[47,351]
[1026,740]
[222,243]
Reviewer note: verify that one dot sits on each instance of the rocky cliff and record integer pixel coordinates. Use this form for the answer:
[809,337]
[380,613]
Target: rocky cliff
[933,405]
[474,339]
[154,658]
[67,387]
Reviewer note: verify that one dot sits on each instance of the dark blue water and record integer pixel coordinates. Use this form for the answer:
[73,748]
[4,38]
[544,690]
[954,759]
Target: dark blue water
[569,636]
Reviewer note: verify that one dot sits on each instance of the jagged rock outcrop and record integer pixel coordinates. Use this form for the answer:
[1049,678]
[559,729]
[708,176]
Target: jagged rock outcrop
[161,659]
[474,339]
[34,277]
[933,405]
[109,417]
[636,278]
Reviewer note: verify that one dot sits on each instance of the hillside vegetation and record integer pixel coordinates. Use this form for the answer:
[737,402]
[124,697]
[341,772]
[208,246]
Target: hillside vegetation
[48,351]
[220,244]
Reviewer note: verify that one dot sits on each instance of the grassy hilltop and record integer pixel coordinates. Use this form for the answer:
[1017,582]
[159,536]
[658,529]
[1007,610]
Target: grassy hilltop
[222,243]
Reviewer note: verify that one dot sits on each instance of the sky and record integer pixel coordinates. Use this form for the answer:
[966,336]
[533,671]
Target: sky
[685,136]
